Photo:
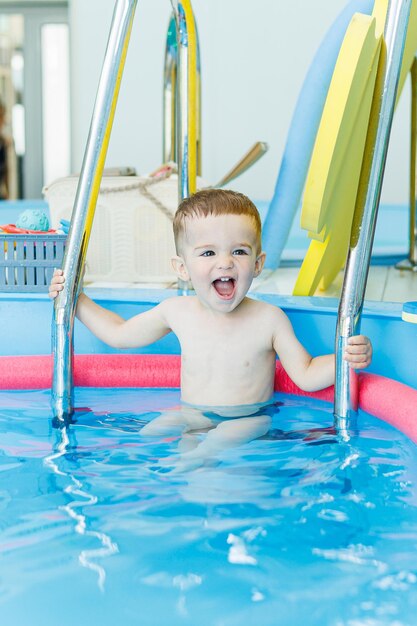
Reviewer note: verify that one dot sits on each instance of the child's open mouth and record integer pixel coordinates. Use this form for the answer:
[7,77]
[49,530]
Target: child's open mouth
[225,287]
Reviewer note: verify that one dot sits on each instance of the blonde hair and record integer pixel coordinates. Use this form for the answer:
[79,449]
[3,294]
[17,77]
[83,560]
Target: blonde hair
[215,202]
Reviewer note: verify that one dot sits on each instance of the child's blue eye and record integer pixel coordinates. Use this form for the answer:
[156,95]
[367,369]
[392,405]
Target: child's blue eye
[208,253]
[239,252]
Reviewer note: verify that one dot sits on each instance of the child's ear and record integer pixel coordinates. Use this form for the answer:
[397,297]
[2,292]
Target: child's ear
[179,267]
[259,263]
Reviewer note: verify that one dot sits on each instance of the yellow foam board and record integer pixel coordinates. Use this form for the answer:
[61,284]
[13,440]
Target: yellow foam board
[409,317]
[324,259]
[332,182]
[380,14]
[354,65]
[410,47]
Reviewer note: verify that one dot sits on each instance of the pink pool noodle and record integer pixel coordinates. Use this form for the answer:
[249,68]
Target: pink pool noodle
[93,370]
[385,398]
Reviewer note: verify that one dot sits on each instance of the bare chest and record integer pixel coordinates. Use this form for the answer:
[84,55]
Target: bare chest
[226,360]
[232,347]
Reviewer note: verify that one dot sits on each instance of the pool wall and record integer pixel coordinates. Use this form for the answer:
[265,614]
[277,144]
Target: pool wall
[26,327]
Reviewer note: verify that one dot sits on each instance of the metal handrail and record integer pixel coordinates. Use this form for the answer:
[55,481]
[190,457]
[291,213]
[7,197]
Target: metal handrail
[363,229]
[169,138]
[171,96]
[84,206]
[92,169]
[187,108]
[186,114]
[411,262]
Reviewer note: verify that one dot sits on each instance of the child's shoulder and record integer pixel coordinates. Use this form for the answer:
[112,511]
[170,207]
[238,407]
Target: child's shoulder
[264,314]
[178,303]
[265,308]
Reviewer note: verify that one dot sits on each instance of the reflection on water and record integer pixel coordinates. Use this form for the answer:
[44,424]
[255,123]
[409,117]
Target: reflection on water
[294,527]
[74,509]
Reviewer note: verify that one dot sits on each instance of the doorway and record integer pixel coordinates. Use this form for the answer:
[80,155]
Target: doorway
[35,91]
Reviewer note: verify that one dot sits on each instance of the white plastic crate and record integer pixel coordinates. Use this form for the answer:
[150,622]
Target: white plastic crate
[131,238]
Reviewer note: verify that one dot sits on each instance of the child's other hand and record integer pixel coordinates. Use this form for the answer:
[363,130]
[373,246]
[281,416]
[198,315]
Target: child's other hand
[358,352]
[57,283]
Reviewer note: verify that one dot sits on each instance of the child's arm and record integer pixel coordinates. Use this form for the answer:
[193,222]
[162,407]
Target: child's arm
[312,374]
[138,331]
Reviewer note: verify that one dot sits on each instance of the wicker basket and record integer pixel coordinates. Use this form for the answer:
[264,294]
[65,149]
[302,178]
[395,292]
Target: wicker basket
[131,239]
[27,262]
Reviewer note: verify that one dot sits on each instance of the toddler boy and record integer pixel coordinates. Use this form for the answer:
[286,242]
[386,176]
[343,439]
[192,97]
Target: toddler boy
[229,342]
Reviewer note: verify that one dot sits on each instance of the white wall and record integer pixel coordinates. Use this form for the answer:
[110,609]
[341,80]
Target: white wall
[254,60]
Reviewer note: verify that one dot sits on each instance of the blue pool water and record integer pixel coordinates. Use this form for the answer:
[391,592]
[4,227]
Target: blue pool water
[295,528]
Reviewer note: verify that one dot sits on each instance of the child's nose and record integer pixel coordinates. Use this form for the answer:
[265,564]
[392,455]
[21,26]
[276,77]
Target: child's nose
[225,261]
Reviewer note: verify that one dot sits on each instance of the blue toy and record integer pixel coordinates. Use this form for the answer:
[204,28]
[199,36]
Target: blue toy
[33,219]
[65,226]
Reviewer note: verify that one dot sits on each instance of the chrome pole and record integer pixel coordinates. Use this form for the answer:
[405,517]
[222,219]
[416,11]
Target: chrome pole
[169,152]
[188,113]
[186,98]
[411,262]
[363,229]
[198,102]
[186,186]
[84,206]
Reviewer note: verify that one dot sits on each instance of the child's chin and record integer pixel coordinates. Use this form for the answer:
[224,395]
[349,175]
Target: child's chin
[227,305]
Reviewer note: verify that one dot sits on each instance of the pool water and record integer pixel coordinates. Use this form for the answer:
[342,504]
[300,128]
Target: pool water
[294,528]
